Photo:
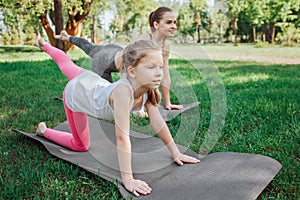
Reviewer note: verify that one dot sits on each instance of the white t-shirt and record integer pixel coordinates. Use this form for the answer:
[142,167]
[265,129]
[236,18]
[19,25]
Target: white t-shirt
[89,93]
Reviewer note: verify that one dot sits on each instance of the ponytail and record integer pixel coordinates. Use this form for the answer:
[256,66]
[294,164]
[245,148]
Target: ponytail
[151,22]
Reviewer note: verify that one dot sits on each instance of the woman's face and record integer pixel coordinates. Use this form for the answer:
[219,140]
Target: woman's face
[167,25]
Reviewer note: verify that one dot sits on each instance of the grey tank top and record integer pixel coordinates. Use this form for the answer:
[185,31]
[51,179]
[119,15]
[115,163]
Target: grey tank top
[89,93]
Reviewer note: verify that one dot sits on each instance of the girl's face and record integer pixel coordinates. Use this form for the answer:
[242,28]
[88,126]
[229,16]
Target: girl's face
[167,25]
[149,72]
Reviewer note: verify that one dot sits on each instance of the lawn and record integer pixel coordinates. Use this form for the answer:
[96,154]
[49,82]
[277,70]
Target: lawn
[262,117]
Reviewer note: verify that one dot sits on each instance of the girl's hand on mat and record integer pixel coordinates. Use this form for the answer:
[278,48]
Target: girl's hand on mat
[186,159]
[142,113]
[137,187]
[173,107]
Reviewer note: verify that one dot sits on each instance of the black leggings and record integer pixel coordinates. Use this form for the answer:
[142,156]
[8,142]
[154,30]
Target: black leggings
[103,56]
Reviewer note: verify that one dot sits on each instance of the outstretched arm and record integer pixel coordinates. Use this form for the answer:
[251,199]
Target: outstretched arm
[166,82]
[161,128]
[120,101]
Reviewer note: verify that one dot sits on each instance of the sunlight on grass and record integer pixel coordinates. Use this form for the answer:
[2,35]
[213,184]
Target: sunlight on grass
[249,78]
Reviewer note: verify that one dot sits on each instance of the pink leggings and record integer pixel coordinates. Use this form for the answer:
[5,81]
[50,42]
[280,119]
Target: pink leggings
[79,140]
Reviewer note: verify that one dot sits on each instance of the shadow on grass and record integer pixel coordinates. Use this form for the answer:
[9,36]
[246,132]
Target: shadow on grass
[10,48]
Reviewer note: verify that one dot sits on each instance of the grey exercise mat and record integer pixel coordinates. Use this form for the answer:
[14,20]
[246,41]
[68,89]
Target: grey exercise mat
[167,115]
[225,175]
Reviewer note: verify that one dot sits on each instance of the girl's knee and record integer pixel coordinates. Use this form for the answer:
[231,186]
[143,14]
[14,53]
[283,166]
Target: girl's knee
[82,148]
[85,149]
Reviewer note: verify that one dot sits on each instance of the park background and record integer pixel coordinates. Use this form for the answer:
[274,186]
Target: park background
[254,45]
[198,21]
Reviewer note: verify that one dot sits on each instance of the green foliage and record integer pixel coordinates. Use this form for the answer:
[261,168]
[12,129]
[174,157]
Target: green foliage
[6,39]
[185,27]
[131,17]
[30,34]
[15,38]
[289,36]
[262,44]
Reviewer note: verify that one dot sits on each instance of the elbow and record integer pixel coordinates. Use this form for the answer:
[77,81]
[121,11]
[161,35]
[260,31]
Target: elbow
[122,140]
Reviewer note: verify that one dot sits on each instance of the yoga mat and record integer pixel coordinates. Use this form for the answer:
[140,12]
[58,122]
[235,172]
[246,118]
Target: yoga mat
[167,115]
[223,175]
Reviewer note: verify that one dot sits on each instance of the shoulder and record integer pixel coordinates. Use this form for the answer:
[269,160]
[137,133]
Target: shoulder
[122,90]
[166,50]
[167,45]
[120,98]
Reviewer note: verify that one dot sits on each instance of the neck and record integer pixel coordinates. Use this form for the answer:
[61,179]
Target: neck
[138,90]
[159,39]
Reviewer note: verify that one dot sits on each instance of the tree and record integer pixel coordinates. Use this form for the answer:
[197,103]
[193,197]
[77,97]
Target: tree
[132,14]
[278,11]
[76,12]
[199,8]
[98,8]
[219,22]
[234,8]
[253,10]
[185,25]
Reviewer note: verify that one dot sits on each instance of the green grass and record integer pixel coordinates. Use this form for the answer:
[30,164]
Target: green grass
[263,116]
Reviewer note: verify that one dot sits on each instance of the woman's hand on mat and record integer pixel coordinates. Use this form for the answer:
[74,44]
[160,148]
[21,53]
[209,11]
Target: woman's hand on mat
[137,187]
[173,107]
[186,159]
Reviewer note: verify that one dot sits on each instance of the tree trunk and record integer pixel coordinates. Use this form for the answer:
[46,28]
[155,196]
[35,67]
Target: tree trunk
[198,33]
[94,37]
[74,24]
[220,30]
[47,28]
[269,30]
[75,21]
[59,23]
[235,30]
[254,33]
[273,32]
[20,29]
[72,29]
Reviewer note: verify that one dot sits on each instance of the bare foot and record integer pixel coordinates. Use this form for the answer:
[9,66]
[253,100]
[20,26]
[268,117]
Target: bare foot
[40,43]
[63,36]
[41,129]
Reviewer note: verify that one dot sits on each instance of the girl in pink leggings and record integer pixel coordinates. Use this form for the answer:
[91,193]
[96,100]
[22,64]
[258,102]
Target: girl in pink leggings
[88,94]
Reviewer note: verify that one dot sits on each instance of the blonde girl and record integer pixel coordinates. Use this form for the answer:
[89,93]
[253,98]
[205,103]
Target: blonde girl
[88,94]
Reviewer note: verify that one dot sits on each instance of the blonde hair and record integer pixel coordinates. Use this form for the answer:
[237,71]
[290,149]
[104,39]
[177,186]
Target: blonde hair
[133,54]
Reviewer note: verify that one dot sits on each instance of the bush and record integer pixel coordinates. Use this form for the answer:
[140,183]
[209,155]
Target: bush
[6,39]
[15,38]
[290,36]
[262,44]
[30,36]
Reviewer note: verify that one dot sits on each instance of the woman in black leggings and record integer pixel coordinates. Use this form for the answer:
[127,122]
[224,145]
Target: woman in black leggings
[106,58]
